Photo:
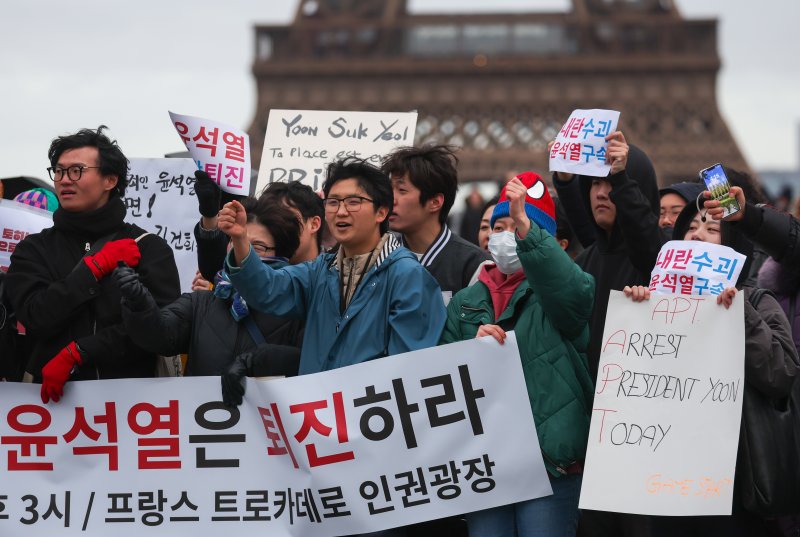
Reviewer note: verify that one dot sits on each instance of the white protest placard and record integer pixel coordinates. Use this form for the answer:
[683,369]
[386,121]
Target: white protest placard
[299,144]
[222,151]
[17,221]
[160,199]
[390,442]
[667,407]
[695,268]
[581,146]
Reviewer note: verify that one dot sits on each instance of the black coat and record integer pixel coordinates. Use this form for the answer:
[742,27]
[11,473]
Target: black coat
[201,325]
[212,245]
[776,232]
[57,298]
[628,255]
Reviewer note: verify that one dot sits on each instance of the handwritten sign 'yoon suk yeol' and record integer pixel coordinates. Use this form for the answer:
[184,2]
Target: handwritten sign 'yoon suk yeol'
[299,144]
[667,407]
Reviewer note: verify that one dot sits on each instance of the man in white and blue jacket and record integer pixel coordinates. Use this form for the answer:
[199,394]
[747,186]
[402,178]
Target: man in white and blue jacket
[370,299]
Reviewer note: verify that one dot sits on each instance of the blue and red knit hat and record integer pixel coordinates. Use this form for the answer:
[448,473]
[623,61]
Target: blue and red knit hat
[539,205]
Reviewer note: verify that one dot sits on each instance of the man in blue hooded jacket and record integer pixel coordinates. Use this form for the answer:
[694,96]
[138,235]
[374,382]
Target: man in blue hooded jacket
[370,299]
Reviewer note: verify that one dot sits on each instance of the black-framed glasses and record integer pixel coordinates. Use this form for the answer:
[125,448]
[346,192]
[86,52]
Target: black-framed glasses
[261,249]
[352,204]
[73,172]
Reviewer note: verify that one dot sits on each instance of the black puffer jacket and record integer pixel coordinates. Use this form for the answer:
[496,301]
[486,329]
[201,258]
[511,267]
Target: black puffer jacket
[57,298]
[776,232]
[628,255]
[770,357]
[201,325]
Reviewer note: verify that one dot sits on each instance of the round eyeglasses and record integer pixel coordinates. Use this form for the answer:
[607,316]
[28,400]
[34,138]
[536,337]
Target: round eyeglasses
[73,172]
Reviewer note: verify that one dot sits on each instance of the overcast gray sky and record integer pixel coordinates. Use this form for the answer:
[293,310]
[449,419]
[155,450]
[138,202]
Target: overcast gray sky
[68,64]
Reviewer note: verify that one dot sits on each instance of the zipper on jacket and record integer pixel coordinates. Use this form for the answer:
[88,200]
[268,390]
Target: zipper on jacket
[477,310]
[88,247]
[559,469]
[94,331]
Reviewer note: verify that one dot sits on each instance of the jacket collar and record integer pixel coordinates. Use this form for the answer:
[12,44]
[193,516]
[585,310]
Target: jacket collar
[479,296]
[436,247]
[391,244]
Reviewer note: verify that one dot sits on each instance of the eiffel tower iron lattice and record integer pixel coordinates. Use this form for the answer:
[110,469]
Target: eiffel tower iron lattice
[500,85]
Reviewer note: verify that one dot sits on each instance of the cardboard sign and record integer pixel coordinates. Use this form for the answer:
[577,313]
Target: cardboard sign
[222,151]
[299,144]
[17,221]
[667,407]
[695,268]
[160,199]
[386,443]
[581,146]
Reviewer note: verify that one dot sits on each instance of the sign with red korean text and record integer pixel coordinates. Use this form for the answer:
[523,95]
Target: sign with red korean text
[299,144]
[222,151]
[390,442]
[695,268]
[160,199]
[17,221]
[581,146]
[667,407]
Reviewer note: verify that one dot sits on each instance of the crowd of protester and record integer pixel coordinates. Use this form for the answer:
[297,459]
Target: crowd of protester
[94,297]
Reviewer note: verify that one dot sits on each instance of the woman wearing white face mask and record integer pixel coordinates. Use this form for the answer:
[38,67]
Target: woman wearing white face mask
[535,289]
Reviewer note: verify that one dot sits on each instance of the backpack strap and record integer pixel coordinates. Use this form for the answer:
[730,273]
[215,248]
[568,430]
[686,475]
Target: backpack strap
[99,243]
[143,235]
[757,293]
[253,330]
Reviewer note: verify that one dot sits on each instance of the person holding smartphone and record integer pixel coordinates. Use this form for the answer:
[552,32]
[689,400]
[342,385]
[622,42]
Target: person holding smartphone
[771,359]
[776,232]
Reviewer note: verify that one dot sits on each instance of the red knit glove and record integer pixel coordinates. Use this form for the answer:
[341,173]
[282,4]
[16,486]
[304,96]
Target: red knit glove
[56,372]
[105,261]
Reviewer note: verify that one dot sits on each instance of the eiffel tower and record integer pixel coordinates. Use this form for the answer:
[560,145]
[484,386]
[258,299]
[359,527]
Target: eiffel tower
[501,85]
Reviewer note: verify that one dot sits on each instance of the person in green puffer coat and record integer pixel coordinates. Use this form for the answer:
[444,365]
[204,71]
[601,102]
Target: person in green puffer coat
[535,289]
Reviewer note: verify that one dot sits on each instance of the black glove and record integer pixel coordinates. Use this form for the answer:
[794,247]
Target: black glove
[233,379]
[208,194]
[133,292]
[267,360]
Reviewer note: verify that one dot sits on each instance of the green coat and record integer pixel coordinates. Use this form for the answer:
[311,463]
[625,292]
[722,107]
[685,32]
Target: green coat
[549,311]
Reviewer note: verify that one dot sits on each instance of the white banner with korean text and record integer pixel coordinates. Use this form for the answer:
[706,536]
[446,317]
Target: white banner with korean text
[160,199]
[299,144]
[17,221]
[222,151]
[580,146]
[695,268]
[390,442]
[667,407]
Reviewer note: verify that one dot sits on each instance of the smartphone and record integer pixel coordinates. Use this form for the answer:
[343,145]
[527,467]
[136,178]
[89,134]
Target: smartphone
[717,183]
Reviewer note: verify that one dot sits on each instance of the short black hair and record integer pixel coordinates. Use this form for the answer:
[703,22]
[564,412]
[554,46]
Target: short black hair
[281,223]
[564,230]
[112,160]
[298,196]
[494,201]
[752,190]
[372,180]
[431,168]
[563,226]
